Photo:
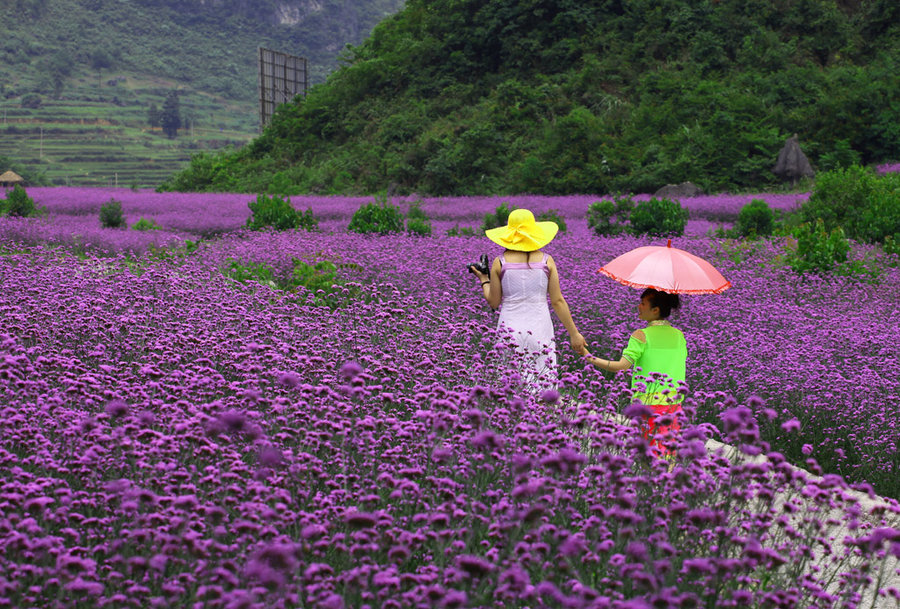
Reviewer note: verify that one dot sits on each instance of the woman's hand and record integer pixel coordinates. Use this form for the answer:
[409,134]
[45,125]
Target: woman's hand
[578,343]
[481,276]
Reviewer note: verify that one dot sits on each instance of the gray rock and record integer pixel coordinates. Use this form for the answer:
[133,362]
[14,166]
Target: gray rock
[677,191]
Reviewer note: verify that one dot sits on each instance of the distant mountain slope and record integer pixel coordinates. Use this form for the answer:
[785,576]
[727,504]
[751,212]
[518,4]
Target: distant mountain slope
[208,45]
[78,77]
[557,96]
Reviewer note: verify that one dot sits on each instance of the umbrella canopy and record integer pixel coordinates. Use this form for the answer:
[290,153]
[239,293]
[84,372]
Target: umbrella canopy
[667,269]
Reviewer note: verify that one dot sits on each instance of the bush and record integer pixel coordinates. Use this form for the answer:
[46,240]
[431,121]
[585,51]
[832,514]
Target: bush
[275,212]
[818,250]
[607,217]
[499,218]
[379,217]
[461,231]
[756,219]
[415,226]
[111,214]
[658,217]
[552,215]
[865,205]
[322,275]
[250,271]
[143,225]
[842,155]
[19,204]
[417,221]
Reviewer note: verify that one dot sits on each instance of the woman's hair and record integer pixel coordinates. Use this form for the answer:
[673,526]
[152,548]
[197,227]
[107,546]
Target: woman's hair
[665,301]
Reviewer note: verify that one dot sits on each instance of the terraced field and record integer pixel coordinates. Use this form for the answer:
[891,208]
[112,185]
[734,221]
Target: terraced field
[99,135]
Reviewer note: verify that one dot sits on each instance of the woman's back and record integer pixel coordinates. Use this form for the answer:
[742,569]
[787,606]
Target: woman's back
[524,282]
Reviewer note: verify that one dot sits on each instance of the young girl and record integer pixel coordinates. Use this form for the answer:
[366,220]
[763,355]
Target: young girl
[659,351]
[519,282]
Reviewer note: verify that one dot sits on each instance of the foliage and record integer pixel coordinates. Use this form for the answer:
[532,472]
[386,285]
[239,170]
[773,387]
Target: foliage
[756,219]
[143,225]
[658,217]
[499,217]
[842,155]
[319,279]
[818,250]
[277,213]
[111,214]
[461,231]
[170,116]
[417,221]
[379,217]
[607,217]
[19,204]
[249,271]
[859,201]
[553,215]
[523,100]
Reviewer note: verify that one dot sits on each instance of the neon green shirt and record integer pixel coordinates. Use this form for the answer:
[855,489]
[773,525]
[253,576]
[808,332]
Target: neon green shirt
[665,352]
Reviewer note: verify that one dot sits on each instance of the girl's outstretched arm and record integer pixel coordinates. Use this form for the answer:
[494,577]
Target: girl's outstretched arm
[623,363]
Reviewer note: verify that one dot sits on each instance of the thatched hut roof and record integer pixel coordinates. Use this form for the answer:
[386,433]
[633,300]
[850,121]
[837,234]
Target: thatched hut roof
[792,164]
[10,177]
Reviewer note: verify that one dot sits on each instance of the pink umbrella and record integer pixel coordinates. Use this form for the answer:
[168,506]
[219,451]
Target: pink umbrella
[667,269]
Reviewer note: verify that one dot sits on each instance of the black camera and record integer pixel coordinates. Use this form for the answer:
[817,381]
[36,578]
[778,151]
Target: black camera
[481,266]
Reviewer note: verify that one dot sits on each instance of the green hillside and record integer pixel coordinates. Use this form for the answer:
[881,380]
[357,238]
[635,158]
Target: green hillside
[78,77]
[559,96]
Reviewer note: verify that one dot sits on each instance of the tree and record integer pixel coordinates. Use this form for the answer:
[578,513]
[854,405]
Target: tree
[171,115]
[154,116]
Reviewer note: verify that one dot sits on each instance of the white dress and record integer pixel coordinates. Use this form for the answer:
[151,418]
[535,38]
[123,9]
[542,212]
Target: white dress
[525,314]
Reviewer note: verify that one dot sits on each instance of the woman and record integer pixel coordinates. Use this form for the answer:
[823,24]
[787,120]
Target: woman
[519,282]
[659,351]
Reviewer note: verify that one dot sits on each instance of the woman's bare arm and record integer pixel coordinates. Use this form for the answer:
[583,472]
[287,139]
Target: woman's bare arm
[561,307]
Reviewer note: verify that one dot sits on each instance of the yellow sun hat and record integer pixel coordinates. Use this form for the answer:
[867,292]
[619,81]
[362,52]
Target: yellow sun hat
[522,233]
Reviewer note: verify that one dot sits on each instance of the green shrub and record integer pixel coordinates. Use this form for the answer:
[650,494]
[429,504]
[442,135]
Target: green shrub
[499,218]
[417,221]
[891,246]
[818,250]
[552,215]
[658,217]
[144,225]
[111,214]
[607,217]
[865,205]
[416,211]
[379,217]
[250,271]
[322,275]
[415,226]
[275,212]
[19,204]
[756,219]
[461,231]
[842,155]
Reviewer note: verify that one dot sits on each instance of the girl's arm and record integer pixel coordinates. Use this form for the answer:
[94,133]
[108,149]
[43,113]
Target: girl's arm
[562,307]
[619,365]
[608,364]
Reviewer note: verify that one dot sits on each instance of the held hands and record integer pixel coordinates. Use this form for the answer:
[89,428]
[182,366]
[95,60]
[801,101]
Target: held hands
[578,343]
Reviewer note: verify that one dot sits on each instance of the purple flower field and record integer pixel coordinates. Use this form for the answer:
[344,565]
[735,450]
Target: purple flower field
[172,437]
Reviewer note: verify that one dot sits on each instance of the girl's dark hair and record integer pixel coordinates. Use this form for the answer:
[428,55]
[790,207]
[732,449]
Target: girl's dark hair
[665,301]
